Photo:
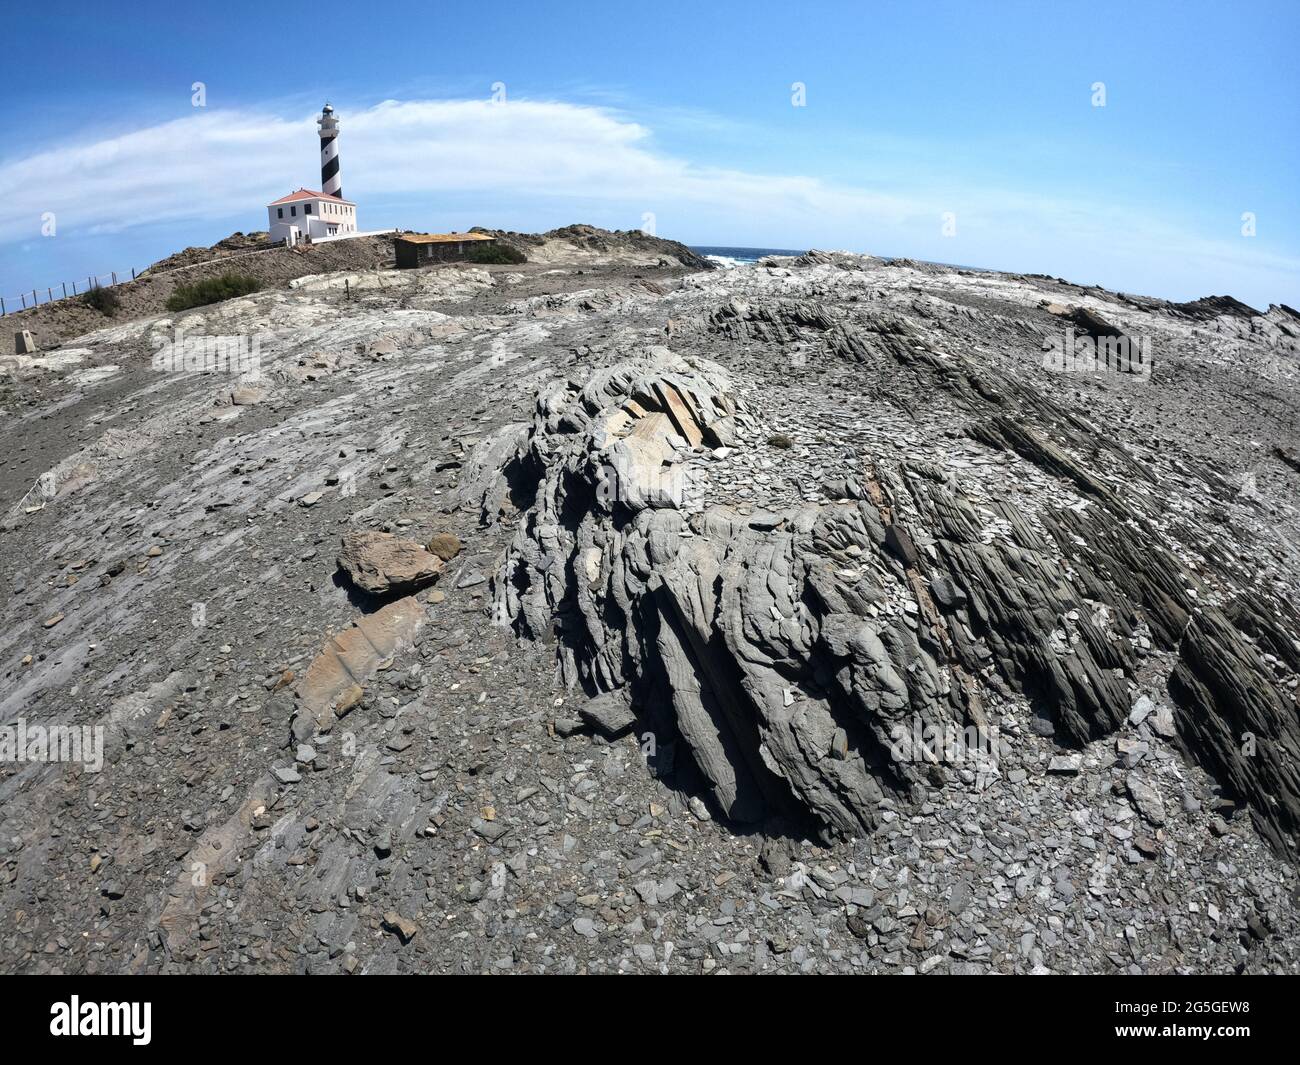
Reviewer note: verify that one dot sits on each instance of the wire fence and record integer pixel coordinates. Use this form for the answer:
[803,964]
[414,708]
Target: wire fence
[25,301]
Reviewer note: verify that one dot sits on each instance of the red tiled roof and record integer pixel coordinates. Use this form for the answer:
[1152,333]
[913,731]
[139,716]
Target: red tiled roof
[307,194]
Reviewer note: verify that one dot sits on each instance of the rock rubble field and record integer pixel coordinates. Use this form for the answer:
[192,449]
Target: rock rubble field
[607,613]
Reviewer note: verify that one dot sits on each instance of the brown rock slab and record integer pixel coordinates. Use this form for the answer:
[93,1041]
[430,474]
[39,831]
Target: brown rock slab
[331,685]
[378,562]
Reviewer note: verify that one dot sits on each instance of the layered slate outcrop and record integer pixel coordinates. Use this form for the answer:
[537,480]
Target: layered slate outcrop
[766,649]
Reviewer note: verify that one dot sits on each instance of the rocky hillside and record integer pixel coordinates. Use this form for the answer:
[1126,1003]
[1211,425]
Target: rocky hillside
[228,247]
[588,245]
[275,266]
[56,323]
[606,614]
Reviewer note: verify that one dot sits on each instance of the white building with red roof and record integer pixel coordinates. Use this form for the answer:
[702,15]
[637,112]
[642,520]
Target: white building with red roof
[305,213]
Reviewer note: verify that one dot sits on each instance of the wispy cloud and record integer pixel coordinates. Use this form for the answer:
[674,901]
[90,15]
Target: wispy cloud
[214,164]
[224,164]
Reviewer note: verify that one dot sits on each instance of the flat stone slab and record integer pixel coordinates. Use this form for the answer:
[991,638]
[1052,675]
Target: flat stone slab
[352,657]
[379,562]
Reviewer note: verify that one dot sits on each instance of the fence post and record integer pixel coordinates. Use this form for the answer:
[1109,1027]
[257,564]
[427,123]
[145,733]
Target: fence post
[133,273]
[2,306]
[89,284]
[23,296]
[49,294]
[74,288]
[35,301]
[65,289]
[115,277]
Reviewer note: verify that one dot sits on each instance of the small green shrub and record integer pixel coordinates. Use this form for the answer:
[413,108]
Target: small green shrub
[212,290]
[104,300]
[495,255]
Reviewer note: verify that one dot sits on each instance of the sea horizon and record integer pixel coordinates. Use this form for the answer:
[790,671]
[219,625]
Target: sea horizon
[730,256]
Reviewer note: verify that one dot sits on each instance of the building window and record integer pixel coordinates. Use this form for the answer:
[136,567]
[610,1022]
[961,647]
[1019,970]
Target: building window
[293,211]
[279,212]
[306,208]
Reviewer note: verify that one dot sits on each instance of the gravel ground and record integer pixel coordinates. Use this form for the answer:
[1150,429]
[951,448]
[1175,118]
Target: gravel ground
[301,776]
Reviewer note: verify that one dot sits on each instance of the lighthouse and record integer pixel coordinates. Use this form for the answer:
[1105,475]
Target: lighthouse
[330,182]
[317,216]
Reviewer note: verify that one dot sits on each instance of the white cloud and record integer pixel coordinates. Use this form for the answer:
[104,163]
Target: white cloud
[215,164]
[535,157]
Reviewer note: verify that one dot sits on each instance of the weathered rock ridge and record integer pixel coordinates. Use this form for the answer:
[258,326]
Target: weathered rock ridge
[754,639]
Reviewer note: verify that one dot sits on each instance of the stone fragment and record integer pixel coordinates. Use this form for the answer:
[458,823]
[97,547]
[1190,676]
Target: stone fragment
[1141,710]
[1131,751]
[1146,799]
[899,542]
[247,395]
[381,563]
[471,578]
[609,712]
[403,927]
[1162,723]
[946,593]
[445,545]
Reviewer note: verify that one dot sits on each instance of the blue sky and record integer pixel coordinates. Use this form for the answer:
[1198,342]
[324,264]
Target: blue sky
[977,113]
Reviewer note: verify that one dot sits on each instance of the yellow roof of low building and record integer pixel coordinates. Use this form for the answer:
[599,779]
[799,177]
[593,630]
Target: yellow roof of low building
[442,238]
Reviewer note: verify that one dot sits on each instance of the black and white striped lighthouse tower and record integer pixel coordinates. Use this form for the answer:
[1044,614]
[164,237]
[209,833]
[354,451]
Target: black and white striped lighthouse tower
[330,182]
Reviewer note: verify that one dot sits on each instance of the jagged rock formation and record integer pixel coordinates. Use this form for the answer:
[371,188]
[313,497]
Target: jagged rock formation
[754,636]
[724,617]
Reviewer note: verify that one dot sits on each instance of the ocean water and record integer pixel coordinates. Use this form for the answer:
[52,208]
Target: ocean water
[729,257]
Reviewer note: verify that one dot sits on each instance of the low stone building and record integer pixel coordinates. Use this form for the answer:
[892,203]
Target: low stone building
[418,249]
